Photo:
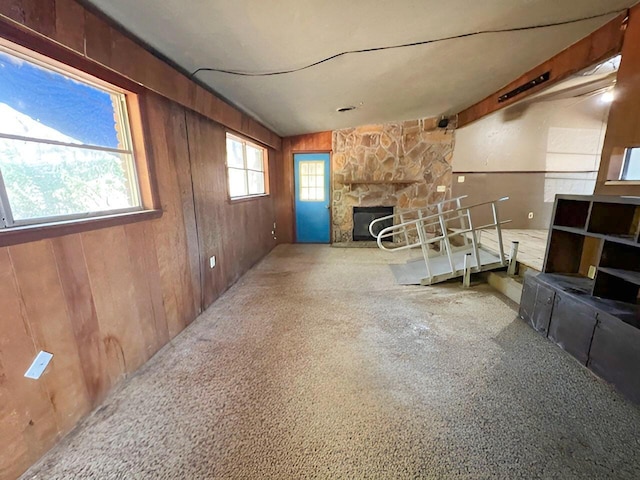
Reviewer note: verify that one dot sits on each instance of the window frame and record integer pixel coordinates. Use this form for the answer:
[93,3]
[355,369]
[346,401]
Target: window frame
[625,164]
[265,167]
[120,112]
[55,57]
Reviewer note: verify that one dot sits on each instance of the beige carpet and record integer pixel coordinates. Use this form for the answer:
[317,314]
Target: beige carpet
[317,365]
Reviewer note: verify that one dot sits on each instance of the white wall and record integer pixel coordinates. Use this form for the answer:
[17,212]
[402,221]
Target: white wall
[562,135]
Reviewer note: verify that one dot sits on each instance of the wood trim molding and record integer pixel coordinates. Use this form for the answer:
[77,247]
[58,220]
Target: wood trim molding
[33,233]
[604,43]
[22,36]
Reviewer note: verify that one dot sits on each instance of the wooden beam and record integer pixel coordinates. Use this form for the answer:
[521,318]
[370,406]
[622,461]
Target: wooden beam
[602,44]
[623,126]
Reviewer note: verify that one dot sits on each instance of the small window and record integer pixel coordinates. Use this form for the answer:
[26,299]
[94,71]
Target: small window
[65,144]
[631,165]
[311,181]
[246,168]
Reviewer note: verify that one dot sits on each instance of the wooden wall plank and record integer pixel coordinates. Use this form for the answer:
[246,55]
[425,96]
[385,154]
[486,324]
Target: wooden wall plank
[97,39]
[114,292]
[176,235]
[27,420]
[144,267]
[600,45]
[70,26]
[44,302]
[74,278]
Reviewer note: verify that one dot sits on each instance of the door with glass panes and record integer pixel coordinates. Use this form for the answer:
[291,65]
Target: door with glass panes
[312,198]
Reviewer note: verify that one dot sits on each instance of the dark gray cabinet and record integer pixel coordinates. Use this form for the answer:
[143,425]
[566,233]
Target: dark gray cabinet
[615,355]
[528,299]
[536,305]
[572,325]
[596,318]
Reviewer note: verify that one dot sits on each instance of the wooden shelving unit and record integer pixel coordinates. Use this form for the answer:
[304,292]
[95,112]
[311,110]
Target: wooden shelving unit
[587,300]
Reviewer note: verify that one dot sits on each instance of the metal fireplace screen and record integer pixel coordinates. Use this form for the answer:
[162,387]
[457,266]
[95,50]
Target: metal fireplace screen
[363,216]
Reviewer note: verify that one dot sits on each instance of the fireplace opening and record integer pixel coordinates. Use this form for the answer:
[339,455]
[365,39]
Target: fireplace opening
[363,216]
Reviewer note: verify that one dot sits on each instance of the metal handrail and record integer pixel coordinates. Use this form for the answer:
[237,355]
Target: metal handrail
[413,211]
[418,221]
[463,214]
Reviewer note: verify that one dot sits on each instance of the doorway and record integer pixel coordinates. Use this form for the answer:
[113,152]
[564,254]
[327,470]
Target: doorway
[312,197]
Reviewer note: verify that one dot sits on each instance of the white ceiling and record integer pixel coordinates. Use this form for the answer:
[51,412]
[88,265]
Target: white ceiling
[390,85]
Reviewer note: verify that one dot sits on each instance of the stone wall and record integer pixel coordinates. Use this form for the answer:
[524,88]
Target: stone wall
[397,165]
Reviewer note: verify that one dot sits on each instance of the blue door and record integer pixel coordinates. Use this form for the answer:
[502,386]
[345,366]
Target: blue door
[311,172]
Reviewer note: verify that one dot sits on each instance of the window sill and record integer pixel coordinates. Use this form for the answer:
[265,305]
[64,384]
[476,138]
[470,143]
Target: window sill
[32,233]
[622,182]
[248,198]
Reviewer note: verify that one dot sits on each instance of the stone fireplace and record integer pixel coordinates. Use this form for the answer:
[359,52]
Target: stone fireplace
[399,165]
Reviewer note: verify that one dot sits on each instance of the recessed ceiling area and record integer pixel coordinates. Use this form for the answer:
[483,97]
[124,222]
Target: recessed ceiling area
[386,85]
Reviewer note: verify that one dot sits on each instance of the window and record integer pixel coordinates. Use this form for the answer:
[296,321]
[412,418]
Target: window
[65,144]
[312,181]
[631,164]
[246,168]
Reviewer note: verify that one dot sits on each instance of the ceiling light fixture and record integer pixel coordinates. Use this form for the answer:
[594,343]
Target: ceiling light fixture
[345,109]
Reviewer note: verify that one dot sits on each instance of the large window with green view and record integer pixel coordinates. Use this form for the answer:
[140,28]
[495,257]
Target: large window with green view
[65,144]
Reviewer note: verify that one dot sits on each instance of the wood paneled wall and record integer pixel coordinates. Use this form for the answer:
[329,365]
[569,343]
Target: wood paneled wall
[311,142]
[104,301]
[237,232]
[623,128]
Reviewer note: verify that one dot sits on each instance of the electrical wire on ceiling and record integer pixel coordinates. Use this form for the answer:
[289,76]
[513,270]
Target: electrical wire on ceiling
[404,45]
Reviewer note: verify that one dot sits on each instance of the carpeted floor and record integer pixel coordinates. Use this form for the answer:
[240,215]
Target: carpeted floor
[317,365]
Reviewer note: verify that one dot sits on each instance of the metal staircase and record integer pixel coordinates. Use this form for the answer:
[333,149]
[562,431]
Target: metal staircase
[448,237]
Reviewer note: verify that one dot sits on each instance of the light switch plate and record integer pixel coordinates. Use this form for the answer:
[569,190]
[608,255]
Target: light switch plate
[441,188]
[38,366]
[460,178]
[592,272]
[212,262]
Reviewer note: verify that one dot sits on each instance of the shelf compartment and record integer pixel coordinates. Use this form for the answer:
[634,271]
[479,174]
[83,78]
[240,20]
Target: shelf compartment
[615,287]
[572,253]
[626,275]
[615,219]
[615,255]
[572,213]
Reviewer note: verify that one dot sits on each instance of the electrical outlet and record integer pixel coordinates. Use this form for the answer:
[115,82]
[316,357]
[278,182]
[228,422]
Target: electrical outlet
[212,261]
[38,366]
[441,188]
[530,215]
[460,178]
